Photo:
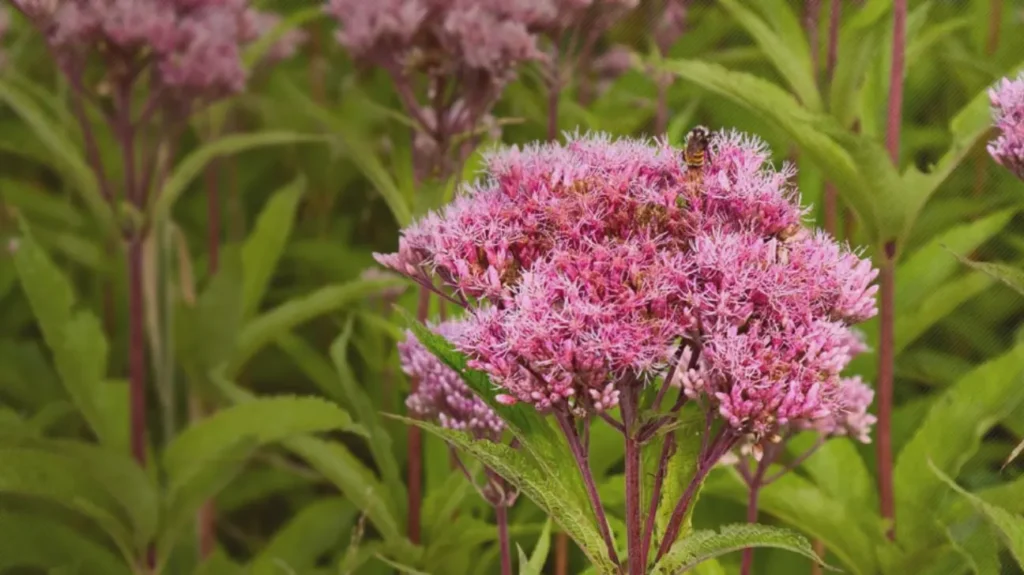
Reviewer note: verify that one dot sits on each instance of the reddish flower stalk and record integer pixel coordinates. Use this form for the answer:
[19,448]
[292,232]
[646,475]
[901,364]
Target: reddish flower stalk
[831,200]
[634,521]
[582,460]
[753,491]
[501,513]
[887,280]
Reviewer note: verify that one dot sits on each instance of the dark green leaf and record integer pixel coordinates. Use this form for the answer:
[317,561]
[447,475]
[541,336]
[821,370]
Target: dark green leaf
[949,436]
[31,540]
[1010,527]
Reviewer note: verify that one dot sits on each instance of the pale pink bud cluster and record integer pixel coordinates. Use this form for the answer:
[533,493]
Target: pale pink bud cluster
[441,394]
[194,45]
[1007,149]
[584,264]
[851,418]
[461,38]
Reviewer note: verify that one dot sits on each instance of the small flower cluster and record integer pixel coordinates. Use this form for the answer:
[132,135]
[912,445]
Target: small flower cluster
[1007,149]
[585,264]
[486,39]
[194,45]
[441,394]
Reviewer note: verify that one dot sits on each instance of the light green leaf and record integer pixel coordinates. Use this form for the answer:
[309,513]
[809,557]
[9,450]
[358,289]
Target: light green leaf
[315,530]
[75,339]
[31,540]
[913,323]
[548,491]
[206,333]
[67,482]
[377,435]
[337,464]
[929,267]
[949,436]
[851,534]
[682,465]
[266,327]
[193,164]
[974,541]
[707,544]
[264,246]
[189,489]
[859,43]
[1010,527]
[1011,276]
[535,564]
[72,163]
[793,65]
[266,420]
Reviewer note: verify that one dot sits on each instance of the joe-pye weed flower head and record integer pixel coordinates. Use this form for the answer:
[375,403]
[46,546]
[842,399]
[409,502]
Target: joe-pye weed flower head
[584,266]
[1007,98]
[193,46]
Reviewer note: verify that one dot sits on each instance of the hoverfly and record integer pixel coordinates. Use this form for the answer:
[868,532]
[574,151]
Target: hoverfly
[696,153]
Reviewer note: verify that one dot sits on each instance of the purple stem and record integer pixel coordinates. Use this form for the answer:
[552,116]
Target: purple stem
[637,558]
[583,464]
[754,490]
[886,354]
[667,450]
[506,554]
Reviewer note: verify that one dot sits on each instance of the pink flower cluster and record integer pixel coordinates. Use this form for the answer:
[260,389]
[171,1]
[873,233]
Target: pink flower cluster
[488,38]
[195,45]
[1007,149]
[585,265]
[441,394]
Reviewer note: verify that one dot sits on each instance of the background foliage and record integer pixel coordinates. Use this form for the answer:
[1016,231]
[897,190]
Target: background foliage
[295,346]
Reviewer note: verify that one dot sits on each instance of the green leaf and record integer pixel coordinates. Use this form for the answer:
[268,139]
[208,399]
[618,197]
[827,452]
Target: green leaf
[358,484]
[793,65]
[859,43]
[70,158]
[67,482]
[949,436]
[255,52]
[928,268]
[975,543]
[1011,276]
[266,327]
[206,333]
[337,464]
[682,465]
[315,530]
[264,246]
[912,324]
[548,491]
[1010,527]
[358,147]
[535,564]
[851,534]
[707,544]
[75,338]
[266,420]
[366,413]
[193,164]
[31,540]
[189,489]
